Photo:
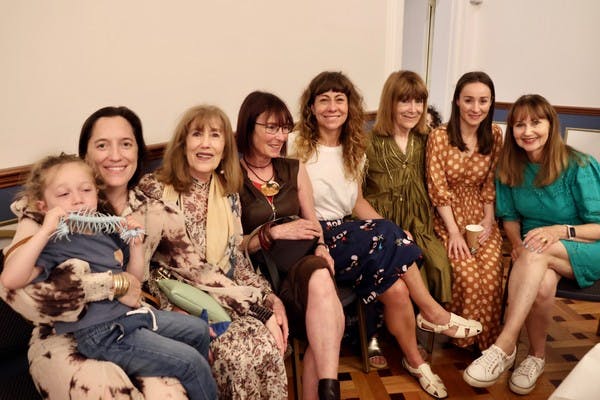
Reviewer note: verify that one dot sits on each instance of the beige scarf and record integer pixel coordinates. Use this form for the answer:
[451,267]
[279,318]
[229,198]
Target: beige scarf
[223,234]
[221,227]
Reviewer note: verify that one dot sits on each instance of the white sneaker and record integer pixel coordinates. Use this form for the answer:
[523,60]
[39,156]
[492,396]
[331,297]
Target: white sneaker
[523,379]
[486,370]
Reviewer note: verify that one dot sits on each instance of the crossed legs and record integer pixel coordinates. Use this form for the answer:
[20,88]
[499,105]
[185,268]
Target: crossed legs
[400,317]
[400,320]
[539,317]
[531,290]
[429,308]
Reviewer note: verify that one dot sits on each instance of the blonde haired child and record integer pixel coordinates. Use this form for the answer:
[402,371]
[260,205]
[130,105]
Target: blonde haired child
[143,341]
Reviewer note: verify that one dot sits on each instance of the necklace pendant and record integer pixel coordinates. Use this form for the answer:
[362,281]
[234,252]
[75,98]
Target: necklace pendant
[270,188]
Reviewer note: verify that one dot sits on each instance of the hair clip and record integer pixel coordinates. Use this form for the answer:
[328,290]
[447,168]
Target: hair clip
[92,222]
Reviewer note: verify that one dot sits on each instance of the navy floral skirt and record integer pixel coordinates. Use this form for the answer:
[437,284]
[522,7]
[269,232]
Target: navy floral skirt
[370,255]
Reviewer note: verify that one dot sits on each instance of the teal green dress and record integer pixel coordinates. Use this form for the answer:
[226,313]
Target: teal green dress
[573,199]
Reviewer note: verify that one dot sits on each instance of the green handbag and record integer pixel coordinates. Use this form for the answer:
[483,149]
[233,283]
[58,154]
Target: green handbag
[192,300]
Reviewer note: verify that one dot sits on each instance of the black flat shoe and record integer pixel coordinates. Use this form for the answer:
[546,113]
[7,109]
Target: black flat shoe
[329,389]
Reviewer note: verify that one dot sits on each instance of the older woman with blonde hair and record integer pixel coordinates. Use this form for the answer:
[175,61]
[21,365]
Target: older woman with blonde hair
[198,184]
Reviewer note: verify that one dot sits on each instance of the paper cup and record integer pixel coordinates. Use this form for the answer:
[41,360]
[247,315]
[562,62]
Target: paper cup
[472,234]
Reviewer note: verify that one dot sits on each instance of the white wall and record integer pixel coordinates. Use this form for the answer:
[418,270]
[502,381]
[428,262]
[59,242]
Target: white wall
[414,36]
[548,47]
[63,59]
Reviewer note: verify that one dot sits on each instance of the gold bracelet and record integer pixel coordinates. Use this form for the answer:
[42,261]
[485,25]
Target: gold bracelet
[126,284]
[322,244]
[120,285]
[117,285]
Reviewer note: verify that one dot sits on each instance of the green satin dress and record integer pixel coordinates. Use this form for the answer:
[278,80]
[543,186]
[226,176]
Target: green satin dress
[395,187]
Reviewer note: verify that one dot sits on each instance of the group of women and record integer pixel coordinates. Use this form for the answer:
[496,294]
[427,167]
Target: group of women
[388,212]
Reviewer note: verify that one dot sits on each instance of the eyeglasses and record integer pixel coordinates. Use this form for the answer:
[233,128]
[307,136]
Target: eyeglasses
[272,129]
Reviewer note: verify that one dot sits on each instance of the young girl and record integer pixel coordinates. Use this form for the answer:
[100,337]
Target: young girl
[142,341]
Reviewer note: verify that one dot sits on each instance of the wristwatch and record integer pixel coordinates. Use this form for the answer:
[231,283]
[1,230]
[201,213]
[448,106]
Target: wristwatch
[570,231]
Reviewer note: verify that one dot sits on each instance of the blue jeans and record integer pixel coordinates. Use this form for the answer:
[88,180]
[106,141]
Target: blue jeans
[178,348]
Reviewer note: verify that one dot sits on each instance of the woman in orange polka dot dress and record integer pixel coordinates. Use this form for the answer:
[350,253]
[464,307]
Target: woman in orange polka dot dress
[461,164]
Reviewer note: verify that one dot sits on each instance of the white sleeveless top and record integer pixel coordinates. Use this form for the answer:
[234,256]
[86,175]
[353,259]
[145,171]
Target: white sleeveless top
[334,194]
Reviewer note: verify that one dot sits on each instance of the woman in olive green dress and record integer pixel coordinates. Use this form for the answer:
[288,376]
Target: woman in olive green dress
[395,179]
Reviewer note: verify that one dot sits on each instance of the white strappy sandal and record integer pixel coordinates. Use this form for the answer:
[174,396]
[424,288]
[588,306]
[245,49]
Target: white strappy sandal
[464,327]
[430,382]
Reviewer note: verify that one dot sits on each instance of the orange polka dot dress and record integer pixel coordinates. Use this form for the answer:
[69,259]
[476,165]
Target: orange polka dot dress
[465,183]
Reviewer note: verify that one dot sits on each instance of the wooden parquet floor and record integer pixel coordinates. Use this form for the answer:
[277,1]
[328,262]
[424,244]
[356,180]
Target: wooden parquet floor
[571,335]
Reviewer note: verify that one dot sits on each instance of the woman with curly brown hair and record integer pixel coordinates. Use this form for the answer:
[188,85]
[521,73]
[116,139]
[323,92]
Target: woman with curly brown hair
[373,255]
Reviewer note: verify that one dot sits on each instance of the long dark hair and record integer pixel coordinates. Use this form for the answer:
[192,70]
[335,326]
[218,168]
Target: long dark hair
[136,125]
[485,138]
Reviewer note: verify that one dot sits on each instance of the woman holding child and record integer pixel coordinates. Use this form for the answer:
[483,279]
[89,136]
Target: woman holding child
[112,142]
[141,340]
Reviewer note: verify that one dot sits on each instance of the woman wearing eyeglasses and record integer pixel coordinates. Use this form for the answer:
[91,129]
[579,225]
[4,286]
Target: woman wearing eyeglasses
[276,187]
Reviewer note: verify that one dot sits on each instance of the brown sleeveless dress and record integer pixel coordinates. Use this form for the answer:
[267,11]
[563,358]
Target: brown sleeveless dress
[256,210]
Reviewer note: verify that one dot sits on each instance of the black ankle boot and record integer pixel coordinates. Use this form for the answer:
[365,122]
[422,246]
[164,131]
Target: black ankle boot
[329,389]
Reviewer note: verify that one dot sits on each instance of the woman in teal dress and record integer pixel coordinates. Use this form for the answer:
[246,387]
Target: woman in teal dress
[395,178]
[548,196]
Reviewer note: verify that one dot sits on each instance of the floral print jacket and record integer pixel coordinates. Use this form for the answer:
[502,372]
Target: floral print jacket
[185,258]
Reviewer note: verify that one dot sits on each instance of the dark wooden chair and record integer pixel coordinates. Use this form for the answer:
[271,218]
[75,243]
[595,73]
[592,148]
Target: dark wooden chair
[568,289]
